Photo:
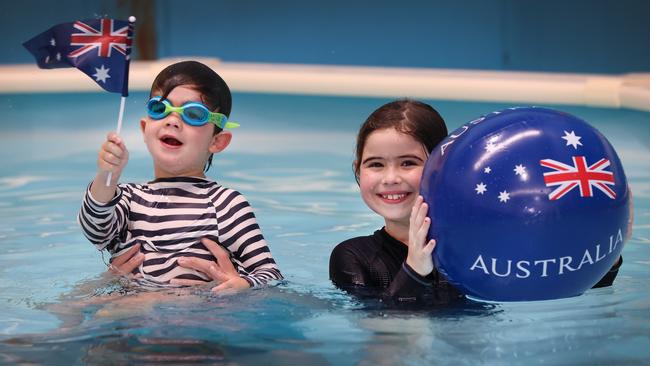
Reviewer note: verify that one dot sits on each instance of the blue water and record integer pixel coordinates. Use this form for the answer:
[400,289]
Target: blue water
[292,159]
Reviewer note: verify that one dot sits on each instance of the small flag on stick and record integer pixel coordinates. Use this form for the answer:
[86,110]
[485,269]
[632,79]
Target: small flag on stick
[101,48]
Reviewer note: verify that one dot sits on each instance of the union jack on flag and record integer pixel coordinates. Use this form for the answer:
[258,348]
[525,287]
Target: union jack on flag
[74,44]
[104,39]
[579,175]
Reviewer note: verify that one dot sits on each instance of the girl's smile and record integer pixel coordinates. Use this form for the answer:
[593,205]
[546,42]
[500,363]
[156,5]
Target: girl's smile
[394,197]
[390,173]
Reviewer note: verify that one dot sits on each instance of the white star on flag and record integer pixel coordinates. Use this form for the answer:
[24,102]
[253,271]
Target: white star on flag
[490,146]
[480,188]
[572,139]
[58,56]
[52,42]
[504,196]
[487,170]
[101,74]
[520,170]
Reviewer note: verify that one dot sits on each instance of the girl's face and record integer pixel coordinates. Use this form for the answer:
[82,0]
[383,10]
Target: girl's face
[179,149]
[390,172]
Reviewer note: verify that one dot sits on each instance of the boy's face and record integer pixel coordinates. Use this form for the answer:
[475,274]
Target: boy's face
[179,149]
[390,173]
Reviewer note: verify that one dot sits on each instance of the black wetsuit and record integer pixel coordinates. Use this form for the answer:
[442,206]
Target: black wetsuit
[375,266]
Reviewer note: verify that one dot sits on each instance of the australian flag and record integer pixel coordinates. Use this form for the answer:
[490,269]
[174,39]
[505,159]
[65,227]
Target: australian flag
[100,48]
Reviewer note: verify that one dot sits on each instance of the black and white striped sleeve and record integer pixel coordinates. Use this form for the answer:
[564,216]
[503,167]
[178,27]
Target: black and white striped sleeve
[241,235]
[104,224]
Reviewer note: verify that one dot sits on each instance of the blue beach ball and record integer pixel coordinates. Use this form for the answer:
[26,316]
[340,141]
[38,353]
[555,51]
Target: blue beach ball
[526,204]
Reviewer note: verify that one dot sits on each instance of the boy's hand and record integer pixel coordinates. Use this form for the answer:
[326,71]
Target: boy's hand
[419,254]
[112,158]
[113,155]
[222,270]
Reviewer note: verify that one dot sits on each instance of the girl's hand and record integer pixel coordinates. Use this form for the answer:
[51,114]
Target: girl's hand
[127,262]
[222,270]
[419,254]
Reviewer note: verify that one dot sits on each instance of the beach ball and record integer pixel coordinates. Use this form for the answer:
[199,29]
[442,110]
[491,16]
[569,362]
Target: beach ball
[526,203]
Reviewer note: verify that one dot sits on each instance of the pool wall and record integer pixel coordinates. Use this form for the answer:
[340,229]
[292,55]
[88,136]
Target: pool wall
[585,36]
[614,91]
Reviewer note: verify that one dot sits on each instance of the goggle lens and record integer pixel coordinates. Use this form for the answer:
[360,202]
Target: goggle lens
[195,114]
[156,109]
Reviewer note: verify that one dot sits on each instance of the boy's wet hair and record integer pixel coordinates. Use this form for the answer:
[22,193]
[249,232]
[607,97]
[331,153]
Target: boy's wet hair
[416,119]
[214,91]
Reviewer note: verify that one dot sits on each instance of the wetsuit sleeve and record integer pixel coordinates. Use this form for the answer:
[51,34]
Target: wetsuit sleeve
[104,224]
[240,234]
[408,286]
[349,272]
[609,277]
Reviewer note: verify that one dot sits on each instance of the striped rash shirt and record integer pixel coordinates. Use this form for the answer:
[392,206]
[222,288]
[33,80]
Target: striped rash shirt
[168,217]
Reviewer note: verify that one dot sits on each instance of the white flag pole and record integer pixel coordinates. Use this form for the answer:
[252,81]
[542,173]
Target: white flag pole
[117,131]
[120,115]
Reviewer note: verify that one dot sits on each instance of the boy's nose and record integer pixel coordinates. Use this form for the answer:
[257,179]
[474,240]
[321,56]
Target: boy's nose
[173,120]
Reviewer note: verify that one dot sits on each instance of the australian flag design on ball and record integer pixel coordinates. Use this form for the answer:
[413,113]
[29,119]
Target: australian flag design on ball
[572,173]
[526,203]
[99,47]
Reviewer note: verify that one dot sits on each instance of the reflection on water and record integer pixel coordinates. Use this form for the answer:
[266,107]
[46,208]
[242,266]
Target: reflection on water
[58,309]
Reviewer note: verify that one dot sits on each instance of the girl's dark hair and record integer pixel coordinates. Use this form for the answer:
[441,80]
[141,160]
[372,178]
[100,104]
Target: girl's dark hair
[416,119]
[214,91]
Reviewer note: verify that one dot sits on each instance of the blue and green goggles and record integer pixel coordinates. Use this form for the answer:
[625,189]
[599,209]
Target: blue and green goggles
[193,113]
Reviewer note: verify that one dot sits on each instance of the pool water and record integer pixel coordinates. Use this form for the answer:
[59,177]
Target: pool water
[292,159]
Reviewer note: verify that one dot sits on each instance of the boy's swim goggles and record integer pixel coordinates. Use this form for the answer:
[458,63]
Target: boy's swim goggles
[193,113]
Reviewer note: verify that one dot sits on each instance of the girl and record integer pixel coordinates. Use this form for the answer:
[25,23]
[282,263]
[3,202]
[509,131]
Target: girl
[170,231]
[395,262]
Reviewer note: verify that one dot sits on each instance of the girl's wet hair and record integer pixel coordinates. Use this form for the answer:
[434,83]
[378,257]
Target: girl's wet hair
[416,119]
[214,91]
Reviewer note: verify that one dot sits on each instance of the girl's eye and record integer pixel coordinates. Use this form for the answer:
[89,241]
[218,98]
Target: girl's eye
[410,163]
[374,164]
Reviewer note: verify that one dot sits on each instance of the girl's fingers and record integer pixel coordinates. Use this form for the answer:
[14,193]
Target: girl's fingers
[423,210]
[431,245]
[423,230]
[416,209]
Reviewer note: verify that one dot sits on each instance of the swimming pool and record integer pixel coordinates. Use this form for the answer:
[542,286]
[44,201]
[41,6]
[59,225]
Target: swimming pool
[292,159]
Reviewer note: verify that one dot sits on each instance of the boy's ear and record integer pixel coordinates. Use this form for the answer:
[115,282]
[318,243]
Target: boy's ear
[143,123]
[220,141]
